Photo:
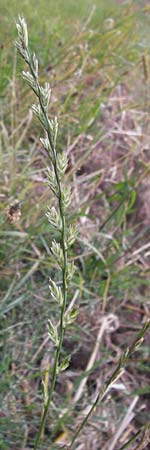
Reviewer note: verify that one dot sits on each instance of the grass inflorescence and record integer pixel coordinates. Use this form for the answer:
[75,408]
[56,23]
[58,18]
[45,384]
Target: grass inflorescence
[56,217]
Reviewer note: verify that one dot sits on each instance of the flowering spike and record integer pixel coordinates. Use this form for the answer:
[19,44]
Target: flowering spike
[57,252]
[52,332]
[70,272]
[28,78]
[71,235]
[53,123]
[64,364]
[52,181]
[70,317]
[66,198]
[45,94]
[22,31]
[56,216]
[62,163]
[35,64]
[56,292]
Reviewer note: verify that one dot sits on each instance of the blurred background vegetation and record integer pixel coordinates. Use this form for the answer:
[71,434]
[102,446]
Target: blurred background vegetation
[96,57]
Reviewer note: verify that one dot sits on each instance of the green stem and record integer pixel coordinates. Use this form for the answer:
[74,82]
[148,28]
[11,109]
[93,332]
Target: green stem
[54,373]
[64,270]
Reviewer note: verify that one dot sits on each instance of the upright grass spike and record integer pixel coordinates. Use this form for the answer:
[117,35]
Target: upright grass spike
[56,217]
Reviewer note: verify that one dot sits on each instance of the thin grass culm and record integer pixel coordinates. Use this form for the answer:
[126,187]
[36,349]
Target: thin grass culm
[56,217]
[118,372]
